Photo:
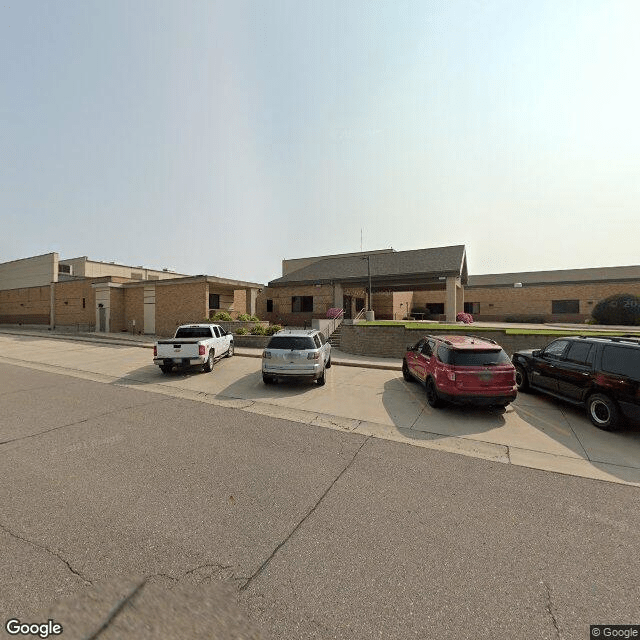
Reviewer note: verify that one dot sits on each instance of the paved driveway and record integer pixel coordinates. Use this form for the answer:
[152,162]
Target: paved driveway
[535,431]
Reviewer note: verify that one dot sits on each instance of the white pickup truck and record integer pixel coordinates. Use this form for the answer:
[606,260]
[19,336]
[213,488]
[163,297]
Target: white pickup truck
[193,345]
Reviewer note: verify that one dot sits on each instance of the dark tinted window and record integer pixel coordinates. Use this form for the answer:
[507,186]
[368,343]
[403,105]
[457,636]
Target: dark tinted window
[291,342]
[269,306]
[565,306]
[477,358]
[580,352]
[214,301]
[556,349]
[194,332]
[316,339]
[621,360]
[443,354]
[301,303]
[216,331]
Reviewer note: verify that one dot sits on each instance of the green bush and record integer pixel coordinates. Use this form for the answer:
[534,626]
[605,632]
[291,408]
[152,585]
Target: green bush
[254,319]
[242,331]
[222,315]
[621,308]
[271,329]
[258,330]
[244,317]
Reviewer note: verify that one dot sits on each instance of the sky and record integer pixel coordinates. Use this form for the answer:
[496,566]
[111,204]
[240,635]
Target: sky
[219,137]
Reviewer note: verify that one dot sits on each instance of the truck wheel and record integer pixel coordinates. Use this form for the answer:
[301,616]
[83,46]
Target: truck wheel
[322,379]
[230,351]
[166,368]
[208,365]
[267,379]
[406,374]
[432,395]
[522,380]
[329,362]
[603,411]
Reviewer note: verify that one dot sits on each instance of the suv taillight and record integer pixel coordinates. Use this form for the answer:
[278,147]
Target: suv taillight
[313,356]
[266,354]
[202,350]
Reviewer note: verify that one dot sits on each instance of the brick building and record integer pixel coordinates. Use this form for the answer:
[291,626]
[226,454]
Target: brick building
[435,282]
[110,297]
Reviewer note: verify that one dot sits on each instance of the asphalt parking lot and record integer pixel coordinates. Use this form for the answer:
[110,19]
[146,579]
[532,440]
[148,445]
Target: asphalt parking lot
[535,431]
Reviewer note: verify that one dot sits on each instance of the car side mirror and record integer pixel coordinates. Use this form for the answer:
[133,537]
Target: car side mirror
[410,348]
[537,353]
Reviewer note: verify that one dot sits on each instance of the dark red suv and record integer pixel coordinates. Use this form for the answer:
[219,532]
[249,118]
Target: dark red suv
[462,370]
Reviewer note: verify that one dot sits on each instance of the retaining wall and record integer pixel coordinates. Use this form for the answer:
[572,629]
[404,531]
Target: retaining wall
[392,342]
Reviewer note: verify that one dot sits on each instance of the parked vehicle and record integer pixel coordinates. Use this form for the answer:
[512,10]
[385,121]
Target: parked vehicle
[461,370]
[296,354]
[193,345]
[601,373]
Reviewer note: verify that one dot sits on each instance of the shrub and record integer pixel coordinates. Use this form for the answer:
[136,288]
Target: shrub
[271,329]
[244,317]
[254,319]
[242,331]
[222,315]
[467,318]
[621,308]
[258,330]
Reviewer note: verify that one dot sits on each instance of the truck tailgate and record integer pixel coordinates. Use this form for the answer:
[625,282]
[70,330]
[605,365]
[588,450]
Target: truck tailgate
[178,348]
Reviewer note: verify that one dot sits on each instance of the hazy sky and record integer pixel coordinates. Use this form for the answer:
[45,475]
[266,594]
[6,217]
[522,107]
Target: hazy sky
[220,137]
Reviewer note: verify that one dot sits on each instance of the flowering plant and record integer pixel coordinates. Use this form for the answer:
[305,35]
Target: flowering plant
[467,318]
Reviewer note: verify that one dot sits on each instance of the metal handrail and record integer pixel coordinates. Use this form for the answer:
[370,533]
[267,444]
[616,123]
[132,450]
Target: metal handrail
[360,315]
[337,320]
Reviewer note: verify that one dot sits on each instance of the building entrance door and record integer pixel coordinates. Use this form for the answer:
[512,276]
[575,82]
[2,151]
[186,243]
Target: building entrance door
[150,310]
[102,317]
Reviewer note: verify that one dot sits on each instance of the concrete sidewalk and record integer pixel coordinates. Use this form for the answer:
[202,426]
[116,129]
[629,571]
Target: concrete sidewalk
[146,342]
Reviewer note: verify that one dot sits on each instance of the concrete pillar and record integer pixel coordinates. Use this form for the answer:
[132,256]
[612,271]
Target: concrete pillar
[52,305]
[252,295]
[450,300]
[459,295]
[338,296]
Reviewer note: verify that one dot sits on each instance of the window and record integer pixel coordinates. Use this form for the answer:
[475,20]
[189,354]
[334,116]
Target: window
[301,304]
[291,343]
[194,332]
[556,349]
[472,307]
[269,306]
[580,353]
[565,306]
[137,275]
[436,308]
[443,354]
[475,357]
[216,332]
[214,301]
[64,268]
[316,339]
[621,360]
[84,303]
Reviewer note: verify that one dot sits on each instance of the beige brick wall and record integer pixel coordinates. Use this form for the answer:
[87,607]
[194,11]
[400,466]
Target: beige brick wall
[69,309]
[240,303]
[178,304]
[134,307]
[500,302]
[25,306]
[282,313]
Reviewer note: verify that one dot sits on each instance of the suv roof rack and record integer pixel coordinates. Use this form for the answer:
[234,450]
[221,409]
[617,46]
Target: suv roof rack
[627,337]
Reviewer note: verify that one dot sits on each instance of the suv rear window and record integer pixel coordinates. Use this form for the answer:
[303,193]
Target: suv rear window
[297,343]
[194,332]
[621,360]
[475,358]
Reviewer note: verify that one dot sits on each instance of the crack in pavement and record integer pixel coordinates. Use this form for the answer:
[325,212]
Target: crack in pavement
[73,424]
[549,609]
[44,548]
[564,415]
[263,566]
[115,612]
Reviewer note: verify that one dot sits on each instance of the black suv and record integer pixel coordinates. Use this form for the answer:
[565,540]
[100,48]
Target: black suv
[601,373]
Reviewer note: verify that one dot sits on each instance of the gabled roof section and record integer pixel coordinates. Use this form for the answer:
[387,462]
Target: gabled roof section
[397,267]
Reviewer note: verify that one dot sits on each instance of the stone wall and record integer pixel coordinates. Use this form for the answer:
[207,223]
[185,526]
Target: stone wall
[392,341]
[177,304]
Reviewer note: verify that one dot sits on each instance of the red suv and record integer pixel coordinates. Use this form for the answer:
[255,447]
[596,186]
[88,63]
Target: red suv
[462,370]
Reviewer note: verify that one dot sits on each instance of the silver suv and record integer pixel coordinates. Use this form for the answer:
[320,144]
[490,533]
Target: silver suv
[296,354]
